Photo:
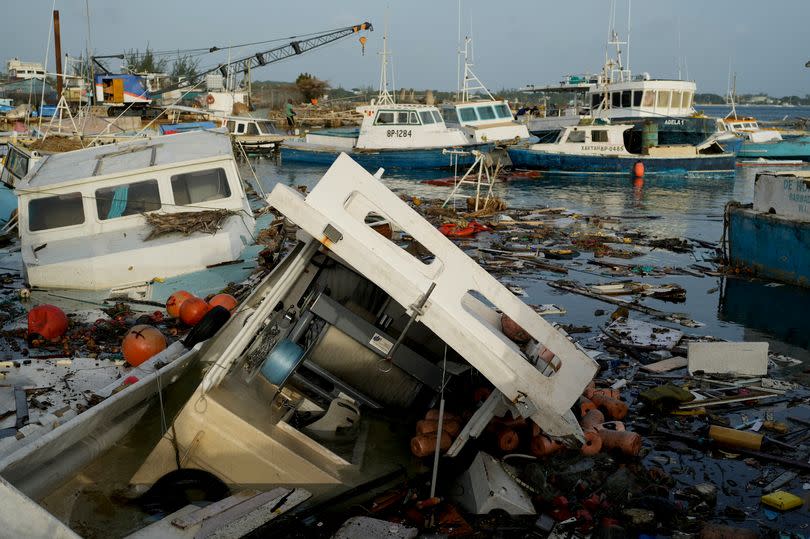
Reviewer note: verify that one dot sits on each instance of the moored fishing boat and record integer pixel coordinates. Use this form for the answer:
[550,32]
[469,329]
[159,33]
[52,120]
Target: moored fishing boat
[391,135]
[606,149]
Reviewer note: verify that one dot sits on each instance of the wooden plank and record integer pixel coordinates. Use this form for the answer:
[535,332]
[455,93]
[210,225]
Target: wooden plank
[211,525]
[260,516]
[666,365]
[217,507]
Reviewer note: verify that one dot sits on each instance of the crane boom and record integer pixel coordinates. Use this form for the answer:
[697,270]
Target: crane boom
[293,48]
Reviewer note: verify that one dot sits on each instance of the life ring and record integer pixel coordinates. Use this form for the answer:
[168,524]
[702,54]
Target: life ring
[210,99]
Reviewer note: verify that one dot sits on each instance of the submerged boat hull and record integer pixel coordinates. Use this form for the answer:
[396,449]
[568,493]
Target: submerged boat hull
[772,246]
[619,164]
[418,158]
[792,148]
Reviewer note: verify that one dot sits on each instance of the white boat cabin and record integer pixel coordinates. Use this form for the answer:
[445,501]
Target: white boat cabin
[748,128]
[588,140]
[18,161]
[642,98]
[395,127]
[239,125]
[81,213]
[485,121]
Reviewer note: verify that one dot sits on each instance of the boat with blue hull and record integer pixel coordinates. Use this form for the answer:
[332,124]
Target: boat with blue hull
[786,148]
[771,237]
[603,149]
[417,158]
[391,135]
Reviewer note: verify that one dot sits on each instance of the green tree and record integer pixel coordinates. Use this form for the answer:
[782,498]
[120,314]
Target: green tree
[145,62]
[310,87]
[185,67]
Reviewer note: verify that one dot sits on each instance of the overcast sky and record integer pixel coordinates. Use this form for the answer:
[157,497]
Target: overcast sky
[517,42]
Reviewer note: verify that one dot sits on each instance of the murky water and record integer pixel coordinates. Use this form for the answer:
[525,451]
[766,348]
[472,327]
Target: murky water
[662,207]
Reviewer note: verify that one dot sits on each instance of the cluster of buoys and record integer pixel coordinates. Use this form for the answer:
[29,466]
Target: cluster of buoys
[190,309]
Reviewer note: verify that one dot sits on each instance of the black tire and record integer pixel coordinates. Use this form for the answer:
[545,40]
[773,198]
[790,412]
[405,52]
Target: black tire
[208,326]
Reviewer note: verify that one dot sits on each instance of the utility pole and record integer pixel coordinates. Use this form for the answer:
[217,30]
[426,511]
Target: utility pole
[57,46]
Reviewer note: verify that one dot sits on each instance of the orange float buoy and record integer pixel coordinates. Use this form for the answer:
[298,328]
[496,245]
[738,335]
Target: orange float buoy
[47,320]
[627,442]
[592,419]
[543,446]
[585,406]
[425,444]
[192,311]
[638,169]
[508,440]
[430,426]
[223,300]
[612,408]
[175,301]
[142,342]
[593,443]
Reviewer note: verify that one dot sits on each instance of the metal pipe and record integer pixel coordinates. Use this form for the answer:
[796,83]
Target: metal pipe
[57,49]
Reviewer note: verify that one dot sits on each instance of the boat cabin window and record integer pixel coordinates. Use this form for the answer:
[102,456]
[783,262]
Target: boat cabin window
[201,186]
[437,116]
[427,117]
[616,99]
[237,128]
[127,199]
[267,128]
[503,111]
[596,100]
[649,98]
[384,117]
[468,114]
[17,163]
[252,129]
[626,98]
[637,95]
[687,100]
[413,118]
[576,136]
[663,99]
[55,211]
[676,99]
[486,112]
[402,117]
[599,135]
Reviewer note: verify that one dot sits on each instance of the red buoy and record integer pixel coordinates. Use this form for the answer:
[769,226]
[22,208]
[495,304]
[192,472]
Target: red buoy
[192,311]
[638,169]
[175,301]
[223,300]
[47,320]
[142,342]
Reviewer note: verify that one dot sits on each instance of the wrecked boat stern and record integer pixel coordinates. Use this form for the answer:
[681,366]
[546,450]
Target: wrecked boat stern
[461,309]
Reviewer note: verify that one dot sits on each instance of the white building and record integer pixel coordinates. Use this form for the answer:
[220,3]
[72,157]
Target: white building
[24,70]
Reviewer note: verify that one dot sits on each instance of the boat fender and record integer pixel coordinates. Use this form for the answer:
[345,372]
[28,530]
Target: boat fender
[638,169]
[180,488]
[210,99]
[208,326]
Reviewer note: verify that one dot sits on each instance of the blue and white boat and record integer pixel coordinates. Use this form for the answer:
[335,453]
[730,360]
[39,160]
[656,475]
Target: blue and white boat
[391,135]
[611,149]
[765,143]
[771,237]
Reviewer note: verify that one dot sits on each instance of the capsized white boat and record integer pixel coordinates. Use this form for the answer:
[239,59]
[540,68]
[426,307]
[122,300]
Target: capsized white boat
[83,214]
[351,321]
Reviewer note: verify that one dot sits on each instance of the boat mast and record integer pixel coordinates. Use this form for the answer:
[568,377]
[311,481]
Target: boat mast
[384,97]
[471,80]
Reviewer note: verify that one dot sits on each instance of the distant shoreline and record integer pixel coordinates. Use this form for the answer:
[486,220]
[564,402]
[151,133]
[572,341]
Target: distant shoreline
[751,105]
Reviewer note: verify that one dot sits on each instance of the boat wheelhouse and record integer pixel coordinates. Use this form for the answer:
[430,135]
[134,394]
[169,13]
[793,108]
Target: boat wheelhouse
[18,161]
[478,114]
[83,214]
[615,149]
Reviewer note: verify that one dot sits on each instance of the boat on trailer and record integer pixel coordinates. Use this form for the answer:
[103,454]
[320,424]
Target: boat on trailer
[606,149]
